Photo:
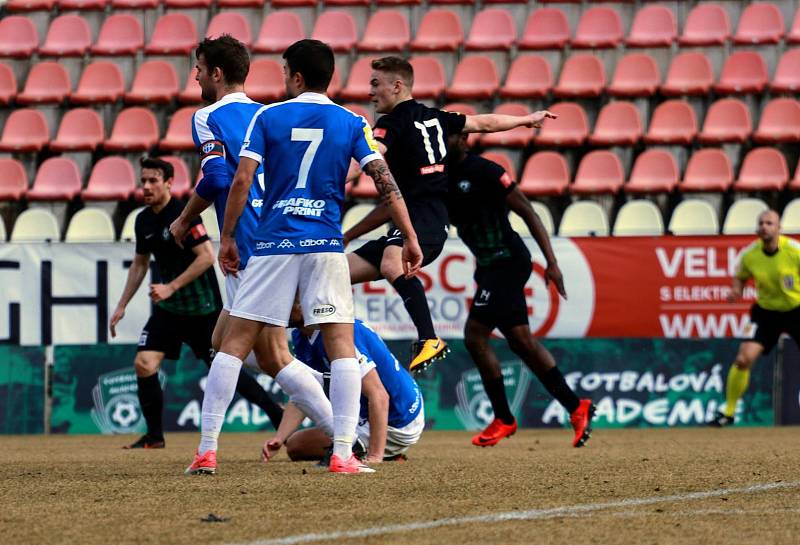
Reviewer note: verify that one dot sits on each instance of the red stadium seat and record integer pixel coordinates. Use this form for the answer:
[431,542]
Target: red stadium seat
[475,79]
[357,87]
[546,174]
[582,76]
[13,180]
[440,30]
[763,169]
[84,5]
[182,182]
[528,77]
[68,36]
[794,185]
[135,129]
[182,4]
[673,122]
[570,129]
[48,82]
[233,23]
[793,37]
[191,93]
[709,170]
[81,129]
[292,3]
[760,23]
[461,108]
[745,72]
[387,30]
[689,74]
[364,188]
[57,179]
[654,26]
[780,122]
[546,28]
[155,83]
[335,86]
[636,75]
[600,172]
[18,37]
[8,85]
[618,124]
[112,179]
[25,130]
[337,29]
[429,80]
[121,34]
[175,34]
[362,111]
[599,28]
[727,120]
[515,138]
[787,74]
[279,30]
[101,81]
[503,160]
[179,132]
[265,82]
[707,24]
[492,28]
[655,171]
[347,2]
[241,3]
[135,4]
[17,6]
[399,2]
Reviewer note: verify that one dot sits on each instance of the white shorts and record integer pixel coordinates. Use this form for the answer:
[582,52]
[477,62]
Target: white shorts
[232,284]
[398,440]
[322,280]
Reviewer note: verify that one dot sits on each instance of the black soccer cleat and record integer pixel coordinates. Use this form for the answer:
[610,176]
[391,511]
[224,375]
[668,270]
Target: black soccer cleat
[722,421]
[145,441]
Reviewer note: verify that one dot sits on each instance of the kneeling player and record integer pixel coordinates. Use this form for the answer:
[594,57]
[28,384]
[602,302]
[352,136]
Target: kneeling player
[479,197]
[392,417]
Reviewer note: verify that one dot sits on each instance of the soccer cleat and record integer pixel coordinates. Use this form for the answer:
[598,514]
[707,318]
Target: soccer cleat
[203,464]
[494,432]
[581,420]
[352,465]
[145,441]
[427,352]
[722,420]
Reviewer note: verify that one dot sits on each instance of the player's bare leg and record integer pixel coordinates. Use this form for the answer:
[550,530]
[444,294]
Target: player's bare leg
[151,398]
[361,270]
[430,346]
[738,380]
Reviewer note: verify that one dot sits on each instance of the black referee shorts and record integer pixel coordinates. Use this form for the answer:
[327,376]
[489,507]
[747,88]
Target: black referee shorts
[372,251]
[166,331]
[768,325]
[499,300]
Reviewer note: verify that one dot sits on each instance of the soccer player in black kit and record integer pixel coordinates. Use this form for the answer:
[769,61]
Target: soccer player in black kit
[413,139]
[185,296]
[479,198]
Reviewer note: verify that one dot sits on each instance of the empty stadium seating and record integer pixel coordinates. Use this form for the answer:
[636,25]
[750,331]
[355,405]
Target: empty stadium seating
[787,73]
[581,76]
[429,79]
[135,129]
[570,129]
[112,179]
[13,180]
[279,30]
[741,218]
[233,23]
[492,28]
[546,28]
[530,76]
[440,30]
[68,36]
[179,132]
[35,225]
[693,217]
[101,81]
[689,74]
[174,34]
[655,171]
[617,125]
[600,172]
[636,75]
[57,179]
[707,24]
[638,218]
[780,122]
[708,170]
[760,23]
[121,34]
[790,219]
[337,29]
[763,169]
[600,27]
[90,225]
[81,129]
[265,81]
[155,82]
[653,26]
[48,82]
[25,130]
[673,122]
[8,85]
[475,79]
[546,174]
[727,120]
[519,137]
[582,219]
[18,37]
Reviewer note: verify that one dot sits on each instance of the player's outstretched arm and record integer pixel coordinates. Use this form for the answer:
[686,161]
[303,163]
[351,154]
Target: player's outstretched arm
[292,418]
[737,288]
[372,388]
[203,259]
[377,217]
[182,223]
[500,122]
[136,274]
[391,197]
[520,205]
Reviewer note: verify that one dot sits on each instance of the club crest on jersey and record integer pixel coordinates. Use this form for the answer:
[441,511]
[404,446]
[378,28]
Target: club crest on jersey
[788,282]
[165,233]
[212,148]
[464,185]
[320,311]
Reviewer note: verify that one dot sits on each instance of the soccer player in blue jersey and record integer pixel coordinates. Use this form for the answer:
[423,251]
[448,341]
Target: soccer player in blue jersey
[218,131]
[392,414]
[305,145]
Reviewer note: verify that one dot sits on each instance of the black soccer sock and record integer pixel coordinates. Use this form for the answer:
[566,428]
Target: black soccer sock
[496,391]
[151,401]
[249,388]
[413,295]
[554,382]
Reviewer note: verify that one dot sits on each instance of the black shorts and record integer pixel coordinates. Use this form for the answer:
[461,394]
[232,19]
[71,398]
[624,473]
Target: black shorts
[499,300]
[372,251]
[767,326]
[166,332]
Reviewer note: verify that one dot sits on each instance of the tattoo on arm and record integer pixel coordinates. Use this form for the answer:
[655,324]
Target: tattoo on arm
[385,183]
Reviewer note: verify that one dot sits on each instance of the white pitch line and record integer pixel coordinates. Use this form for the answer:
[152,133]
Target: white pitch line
[554,512]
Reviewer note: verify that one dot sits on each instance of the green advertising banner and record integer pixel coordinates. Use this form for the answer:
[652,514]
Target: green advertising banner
[633,382]
[21,389]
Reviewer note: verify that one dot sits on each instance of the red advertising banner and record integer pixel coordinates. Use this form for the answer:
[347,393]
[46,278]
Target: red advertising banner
[617,287]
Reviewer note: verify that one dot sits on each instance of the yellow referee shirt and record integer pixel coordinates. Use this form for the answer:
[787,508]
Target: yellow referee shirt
[777,276]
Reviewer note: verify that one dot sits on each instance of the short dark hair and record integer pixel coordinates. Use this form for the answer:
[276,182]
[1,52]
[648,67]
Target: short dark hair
[314,60]
[228,54]
[396,65]
[167,170]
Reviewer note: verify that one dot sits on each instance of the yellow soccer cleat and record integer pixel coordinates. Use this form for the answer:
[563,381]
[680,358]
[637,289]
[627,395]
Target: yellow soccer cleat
[428,351]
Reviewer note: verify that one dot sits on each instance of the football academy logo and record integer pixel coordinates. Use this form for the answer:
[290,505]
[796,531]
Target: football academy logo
[474,409]
[116,404]
[208,147]
[464,186]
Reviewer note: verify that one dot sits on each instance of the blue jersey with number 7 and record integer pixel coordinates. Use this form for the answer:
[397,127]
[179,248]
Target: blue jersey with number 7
[305,145]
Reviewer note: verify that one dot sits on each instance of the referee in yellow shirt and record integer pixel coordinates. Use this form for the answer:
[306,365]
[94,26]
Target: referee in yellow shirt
[773,262]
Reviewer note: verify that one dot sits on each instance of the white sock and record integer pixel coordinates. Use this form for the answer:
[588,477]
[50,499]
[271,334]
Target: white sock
[220,387]
[297,380]
[346,402]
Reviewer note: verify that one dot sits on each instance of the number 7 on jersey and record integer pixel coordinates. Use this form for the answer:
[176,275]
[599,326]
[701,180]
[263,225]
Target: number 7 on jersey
[314,138]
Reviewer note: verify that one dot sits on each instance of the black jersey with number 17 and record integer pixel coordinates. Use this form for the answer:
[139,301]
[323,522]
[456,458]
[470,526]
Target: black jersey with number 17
[416,138]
